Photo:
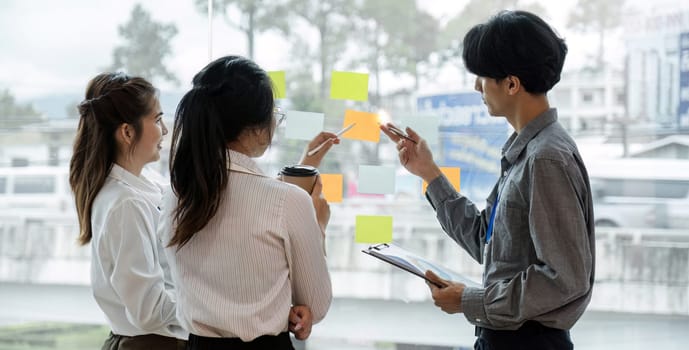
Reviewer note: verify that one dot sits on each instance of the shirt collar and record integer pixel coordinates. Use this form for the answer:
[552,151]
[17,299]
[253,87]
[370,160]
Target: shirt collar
[518,141]
[244,161]
[139,183]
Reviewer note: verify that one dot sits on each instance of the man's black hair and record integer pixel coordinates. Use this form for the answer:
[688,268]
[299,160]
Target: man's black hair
[516,43]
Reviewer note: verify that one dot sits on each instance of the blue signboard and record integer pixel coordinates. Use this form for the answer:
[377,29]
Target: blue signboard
[683,107]
[470,139]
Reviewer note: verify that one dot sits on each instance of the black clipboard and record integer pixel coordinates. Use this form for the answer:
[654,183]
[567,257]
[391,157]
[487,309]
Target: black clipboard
[412,263]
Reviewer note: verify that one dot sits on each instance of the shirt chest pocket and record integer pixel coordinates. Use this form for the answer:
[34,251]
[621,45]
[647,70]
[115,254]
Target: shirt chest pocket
[511,233]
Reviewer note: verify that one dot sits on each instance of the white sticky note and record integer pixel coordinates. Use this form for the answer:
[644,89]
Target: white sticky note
[426,127]
[376,179]
[303,125]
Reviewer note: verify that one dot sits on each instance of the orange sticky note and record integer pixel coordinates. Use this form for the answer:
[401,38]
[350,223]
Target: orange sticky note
[366,127]
[373,229]
[332,187]
[451,173]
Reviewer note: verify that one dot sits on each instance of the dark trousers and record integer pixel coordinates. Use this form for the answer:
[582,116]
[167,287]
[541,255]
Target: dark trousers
[142,342]
[530,336]
[281,341]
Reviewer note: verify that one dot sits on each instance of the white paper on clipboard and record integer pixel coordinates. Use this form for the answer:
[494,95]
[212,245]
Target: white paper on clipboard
[415,264]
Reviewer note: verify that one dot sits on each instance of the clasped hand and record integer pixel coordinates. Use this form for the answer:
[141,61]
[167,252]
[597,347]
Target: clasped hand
[300,321]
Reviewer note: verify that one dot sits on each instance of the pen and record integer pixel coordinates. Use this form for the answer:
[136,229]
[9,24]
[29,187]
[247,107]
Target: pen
[399,132]
[338,134]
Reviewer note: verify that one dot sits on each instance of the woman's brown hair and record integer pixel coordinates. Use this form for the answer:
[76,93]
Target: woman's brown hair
[112,99]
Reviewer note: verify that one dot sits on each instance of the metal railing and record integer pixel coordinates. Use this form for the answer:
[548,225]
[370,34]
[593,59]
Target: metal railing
[637,270]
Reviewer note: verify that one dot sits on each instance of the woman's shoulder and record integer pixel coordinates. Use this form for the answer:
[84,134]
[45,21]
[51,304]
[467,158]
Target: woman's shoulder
[117,195]
[289,193]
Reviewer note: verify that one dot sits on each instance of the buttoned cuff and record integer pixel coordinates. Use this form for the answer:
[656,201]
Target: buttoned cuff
[439,190]
[473,307]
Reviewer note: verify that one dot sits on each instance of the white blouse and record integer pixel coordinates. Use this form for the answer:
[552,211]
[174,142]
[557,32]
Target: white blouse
[127,259]
[260,254]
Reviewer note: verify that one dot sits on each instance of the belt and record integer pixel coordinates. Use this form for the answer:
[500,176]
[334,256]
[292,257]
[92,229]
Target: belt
[527,327]
[280,341]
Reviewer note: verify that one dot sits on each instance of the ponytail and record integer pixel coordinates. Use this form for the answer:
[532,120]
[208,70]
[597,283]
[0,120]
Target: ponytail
[89,167]
[198,165]
[230,95]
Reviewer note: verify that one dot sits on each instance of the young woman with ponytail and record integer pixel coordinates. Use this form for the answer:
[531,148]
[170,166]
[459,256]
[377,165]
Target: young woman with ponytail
[243,247]
[121,130]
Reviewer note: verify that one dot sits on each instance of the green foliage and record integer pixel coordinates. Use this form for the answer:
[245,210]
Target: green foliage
[597,16]
[304,92]
[13,114]
[332,20]
[147,45]
[477,11]
[398,37]
[392,35]
[52,336]
[256,16]
[413,45]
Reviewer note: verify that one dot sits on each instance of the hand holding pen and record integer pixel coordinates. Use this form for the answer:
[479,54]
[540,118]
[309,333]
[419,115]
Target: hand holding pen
[413,152]
[339,133]
[397,131]
[318,147]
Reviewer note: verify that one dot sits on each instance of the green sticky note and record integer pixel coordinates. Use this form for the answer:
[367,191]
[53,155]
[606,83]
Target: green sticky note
[373,229]
[349,86]
[279,84]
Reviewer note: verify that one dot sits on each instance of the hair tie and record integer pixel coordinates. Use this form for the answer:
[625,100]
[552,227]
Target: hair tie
[86,106]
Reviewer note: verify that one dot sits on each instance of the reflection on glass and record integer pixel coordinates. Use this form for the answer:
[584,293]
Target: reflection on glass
[624,99]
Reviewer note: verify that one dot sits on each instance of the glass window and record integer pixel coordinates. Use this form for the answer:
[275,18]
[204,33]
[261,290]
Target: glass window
[587,97]
[633,94]
[34,184]
[621,98]
[644,188]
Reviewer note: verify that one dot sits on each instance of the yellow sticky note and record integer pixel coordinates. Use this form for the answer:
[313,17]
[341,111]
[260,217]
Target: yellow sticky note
[452,174]
[373,229]
[279,83]
[365,128]
[332,187]
[349,86]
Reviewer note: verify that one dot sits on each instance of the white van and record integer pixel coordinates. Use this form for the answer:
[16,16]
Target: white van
[640,192]
[35,191]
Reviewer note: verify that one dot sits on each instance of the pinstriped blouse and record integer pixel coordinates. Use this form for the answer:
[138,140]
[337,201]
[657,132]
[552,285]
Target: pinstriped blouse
[259,255]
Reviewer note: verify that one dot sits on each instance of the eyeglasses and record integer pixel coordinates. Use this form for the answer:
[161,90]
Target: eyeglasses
[279,115]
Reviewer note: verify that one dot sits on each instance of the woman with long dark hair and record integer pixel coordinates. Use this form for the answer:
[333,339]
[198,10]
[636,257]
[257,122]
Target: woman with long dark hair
[244,247]
[121,130]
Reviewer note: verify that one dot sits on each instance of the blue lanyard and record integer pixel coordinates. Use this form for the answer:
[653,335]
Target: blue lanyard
[489,232]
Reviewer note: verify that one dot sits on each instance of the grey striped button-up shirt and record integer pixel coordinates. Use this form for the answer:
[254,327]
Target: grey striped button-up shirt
[539,262]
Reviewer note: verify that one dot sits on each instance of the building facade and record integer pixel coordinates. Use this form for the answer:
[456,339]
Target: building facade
[657,71]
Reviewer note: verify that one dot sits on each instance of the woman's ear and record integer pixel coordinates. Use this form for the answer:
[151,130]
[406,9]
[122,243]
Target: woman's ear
[263,136]
[125,134]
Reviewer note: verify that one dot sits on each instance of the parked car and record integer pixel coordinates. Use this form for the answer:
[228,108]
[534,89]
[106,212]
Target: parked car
[36,190]
[45,190]
[640,192]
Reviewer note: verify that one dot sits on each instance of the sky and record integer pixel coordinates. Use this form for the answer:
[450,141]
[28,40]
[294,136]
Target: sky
[49,47]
